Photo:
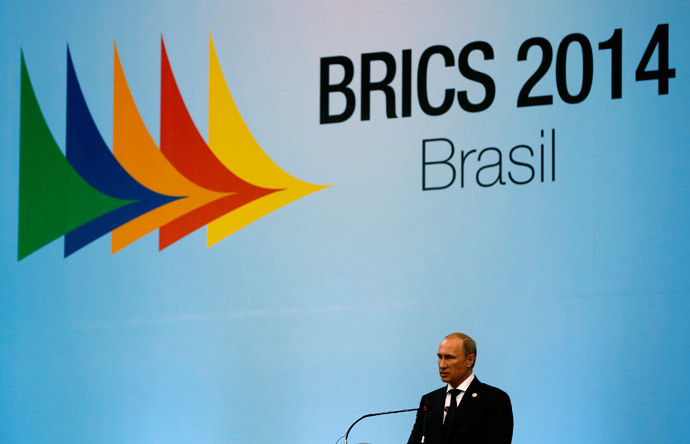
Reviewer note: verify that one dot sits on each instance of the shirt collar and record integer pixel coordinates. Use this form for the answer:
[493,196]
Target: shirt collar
[463,385]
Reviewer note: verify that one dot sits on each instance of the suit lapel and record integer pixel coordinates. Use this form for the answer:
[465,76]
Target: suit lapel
[434,419]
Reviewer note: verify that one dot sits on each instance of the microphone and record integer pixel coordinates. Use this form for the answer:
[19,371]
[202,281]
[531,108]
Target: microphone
[375,414]
[444,409]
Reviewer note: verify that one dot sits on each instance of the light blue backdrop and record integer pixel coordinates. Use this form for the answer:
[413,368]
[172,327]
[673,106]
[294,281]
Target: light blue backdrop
[576,290]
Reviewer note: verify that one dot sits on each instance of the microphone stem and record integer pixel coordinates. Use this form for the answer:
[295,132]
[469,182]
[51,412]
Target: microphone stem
[375,414]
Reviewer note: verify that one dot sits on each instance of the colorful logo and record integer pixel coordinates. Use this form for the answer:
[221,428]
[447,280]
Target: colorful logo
[136,188]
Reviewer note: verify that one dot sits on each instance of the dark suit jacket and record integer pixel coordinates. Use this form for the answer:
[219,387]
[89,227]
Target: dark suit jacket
[486,418]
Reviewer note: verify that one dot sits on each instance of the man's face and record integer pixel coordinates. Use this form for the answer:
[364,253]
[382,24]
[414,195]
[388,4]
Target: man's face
[453,366]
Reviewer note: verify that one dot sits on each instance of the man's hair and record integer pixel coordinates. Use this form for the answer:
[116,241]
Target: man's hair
[469,347]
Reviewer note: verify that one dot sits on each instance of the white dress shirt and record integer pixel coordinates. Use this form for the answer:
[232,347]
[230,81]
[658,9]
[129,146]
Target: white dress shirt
[462,387]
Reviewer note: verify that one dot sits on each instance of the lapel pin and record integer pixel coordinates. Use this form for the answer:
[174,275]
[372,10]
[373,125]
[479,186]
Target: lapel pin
[474,395]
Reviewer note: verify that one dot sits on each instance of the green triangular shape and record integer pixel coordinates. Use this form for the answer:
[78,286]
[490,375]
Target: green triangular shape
[53,198]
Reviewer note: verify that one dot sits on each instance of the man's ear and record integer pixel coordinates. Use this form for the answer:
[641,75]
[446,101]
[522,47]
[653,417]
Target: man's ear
[470,360]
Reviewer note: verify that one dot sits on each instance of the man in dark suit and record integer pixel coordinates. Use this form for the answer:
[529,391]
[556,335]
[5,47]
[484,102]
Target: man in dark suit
[466,411]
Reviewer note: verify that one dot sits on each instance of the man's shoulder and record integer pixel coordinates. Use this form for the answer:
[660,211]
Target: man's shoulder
[476,385]
[436,393]
[487,389]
